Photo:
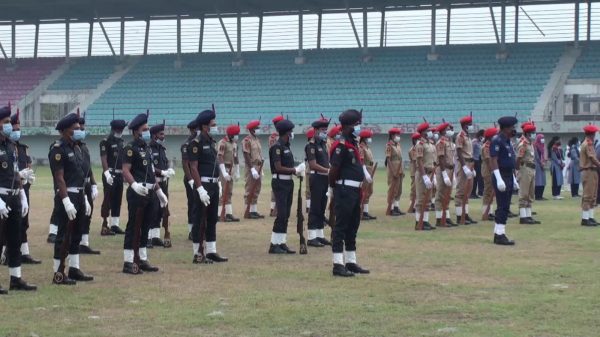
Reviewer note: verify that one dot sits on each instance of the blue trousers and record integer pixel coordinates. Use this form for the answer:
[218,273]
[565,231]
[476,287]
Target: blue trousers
[503,198]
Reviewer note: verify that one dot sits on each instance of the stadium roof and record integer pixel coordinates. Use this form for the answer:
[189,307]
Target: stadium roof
[32,10]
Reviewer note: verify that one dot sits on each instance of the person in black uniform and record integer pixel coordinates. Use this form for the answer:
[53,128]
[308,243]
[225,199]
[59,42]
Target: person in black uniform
[282,168]
[318,163]
[69,170]
[13,204]
[90,188]
[163,174]
[202,155]
[504,181]
[27,178]
[188,181]
[111,154]
[345,178]
[139,174]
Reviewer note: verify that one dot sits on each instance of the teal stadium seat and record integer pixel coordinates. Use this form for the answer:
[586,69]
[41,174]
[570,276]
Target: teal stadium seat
[85,74]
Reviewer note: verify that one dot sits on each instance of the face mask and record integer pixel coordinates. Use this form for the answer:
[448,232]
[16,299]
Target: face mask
[7,129]
[257,131]
[429,134]
[15,135]
[369,140]
[513,133]
[118,134]
[450,133]
[146,135]
[436,136]
[356,131]
[542,141]
[291,135]
[160,141]
[397,139]
[78,135]
[532,136]
[235,138]
[213,129]
[470,128]
[337,137]
[198,132]
[323,135]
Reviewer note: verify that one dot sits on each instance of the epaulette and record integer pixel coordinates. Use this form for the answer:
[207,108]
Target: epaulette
[58,143]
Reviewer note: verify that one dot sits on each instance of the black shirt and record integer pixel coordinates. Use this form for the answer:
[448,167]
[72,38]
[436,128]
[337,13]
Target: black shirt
[280,152]
[69,158]
[346,156]
[203,150]
[112,148]
[137,153]
[317,151]
[502,149]
[159,156]
[23,155]
[86,158]
[9,177]
[184,151]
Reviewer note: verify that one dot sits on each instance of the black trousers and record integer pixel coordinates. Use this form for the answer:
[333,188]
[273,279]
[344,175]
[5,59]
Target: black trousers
[157,216]
[12,231]
[574,190]
[347,202]
[62,221]
[318,201]
[503,198]
[113,197]
[539,192]
[25,219]
[555,187]
[283,190]
[211,212]
[478,182]
[137,202]
[189,193]
[88,219]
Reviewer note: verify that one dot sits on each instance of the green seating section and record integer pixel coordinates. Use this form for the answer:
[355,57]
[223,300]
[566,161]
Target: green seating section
[86,73]
[588,64]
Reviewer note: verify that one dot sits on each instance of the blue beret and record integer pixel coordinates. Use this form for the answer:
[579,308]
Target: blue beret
[192,125]
[157,128]
[350,117]
[67,121]
[507,121]
[118,124]
[205,117]
[284,126]
[4,112]
[138,121]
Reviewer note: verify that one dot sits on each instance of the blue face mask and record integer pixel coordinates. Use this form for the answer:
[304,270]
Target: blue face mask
[323,135]
[78,135]
[356,131]
[7,129]
[159,141]
[146,135]
[15,135]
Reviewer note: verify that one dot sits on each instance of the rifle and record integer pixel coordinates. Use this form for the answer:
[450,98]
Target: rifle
[226,191]
[300,217]
[2,240]
[362,190]
[253,190]
[59,276]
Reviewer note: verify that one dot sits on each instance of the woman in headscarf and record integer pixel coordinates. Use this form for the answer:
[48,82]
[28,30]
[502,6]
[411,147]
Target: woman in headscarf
[540,162]
[556,166]
[574,174]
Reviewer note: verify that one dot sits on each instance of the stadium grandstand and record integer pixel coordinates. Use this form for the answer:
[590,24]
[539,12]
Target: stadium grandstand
[399,60]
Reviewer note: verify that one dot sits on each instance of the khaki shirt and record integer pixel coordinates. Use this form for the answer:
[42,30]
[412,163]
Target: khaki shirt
[464,144]
[393,154]
[586,151]
[228,150]
[412,156]
[485,158]
[274,137]
[425,150]
[367,155]
[444,148]
[525,151]
[251,145]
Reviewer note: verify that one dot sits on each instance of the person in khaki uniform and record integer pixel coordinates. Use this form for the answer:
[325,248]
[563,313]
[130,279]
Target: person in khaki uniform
[395,172]
[444,175]
[273,138]
[310,134]
[525,166]
[486,173]
[425,159]
[366,137]
[253,161]
[589,166]
[412,157]
[465,175]
[333,135]
[228,156]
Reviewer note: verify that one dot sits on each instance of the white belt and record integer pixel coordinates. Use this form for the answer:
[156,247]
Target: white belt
[74,189]
[351,183]
[161,179]
[116,171]
[209,180]
[283,176]
[8,191]
[321,173]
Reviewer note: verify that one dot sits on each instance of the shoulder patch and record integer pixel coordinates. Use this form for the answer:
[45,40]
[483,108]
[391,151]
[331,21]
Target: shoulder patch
[278,151]
[57,157]
[195,149]
[129,153]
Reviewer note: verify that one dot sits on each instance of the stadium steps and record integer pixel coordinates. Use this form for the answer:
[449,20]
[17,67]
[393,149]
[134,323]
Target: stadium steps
[33,95]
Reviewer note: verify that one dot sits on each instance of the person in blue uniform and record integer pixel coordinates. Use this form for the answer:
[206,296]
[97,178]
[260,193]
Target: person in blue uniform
[188,181]
[504,181]
[345,179]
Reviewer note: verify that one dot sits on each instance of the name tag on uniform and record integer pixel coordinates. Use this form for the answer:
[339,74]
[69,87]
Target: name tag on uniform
[206,147]
[71,154]
[143,154]
[155,154]
[286,151]
[320,150]
[114,145]
[2,152]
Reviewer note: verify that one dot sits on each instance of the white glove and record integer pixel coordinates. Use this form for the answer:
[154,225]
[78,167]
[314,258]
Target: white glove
[25,173]
[224,173]
[236,174]
[69,208]
[300,169]
[368,177]
[94,192]
[447,180]
[162,198]
[255,174]
[88,207]
[109,178]
[204,198]
[467,171]
[31,179]
[24,203]
[191,183]
[139,189]
[329,193]
[427,182]
[220,190]
[4,210]
[515,183]
[170,173]
[499,182]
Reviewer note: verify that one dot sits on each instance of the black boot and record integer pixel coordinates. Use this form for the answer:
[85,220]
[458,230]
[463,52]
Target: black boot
[51,238]
[341,270]
[157,242]
[17,283]
[77,275]
[356,269]
[469,220]
[535,222]
[149,244]
[256,215]
[105,231]
[87,250]
[427,226]
[451,223]
[62,279]
[3,291]
[27,259]
[588,223]
[324,241]
[231,218]
[502,240]
[593,221]
[276,249]
[117,230]
[131,268]
[287,249]
[216,257]
[526,221]
[199,259]
[315,243]
[146,266]
[398,211]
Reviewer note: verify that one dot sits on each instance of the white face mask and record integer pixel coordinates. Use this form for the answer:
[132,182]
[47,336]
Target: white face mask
[429,134]
[198,132]
[118,134]
[542,141]
[291,135]
[449,133]
[436,136]
[397,139]
[369,140]
[235,138]
[532,136]
[213,129]
[257,131]
[470,128]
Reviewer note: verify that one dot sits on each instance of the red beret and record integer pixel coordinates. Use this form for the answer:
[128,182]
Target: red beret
[334,131]
[415,136]
[253,124]
[466,120]
[528,127]
[310,133]
[443,126]
[277,119]
[366,133]
[233,130]
[490,132]
[590,129]
[422,127]
[393,131]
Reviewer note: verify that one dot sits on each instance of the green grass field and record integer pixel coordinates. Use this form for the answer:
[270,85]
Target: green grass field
[449,282]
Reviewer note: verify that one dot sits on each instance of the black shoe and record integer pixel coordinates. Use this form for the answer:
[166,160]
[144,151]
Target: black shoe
[511,215]
[51,238]
[588,223]
[87,250]
[324,241]
[157,242]
[3,291]
[62,279]
[105,231]
[341,270]
[592,220]
[533,213]
[526,221]
[149,244]
[491,217]
[216,257]
[255,215]
[287,249]
[502,240]
[231,218]
[17,283]
[77,275]
[395,212]
[428,227]
[398,211]
[117,230]
[131,268]
[356,269]
[459,220]
[146,266]
[276,249]
[468,219]
[366,216]
[535,222]
[199,259]
[474,197]
[27,259]
[451,223]
[315,243]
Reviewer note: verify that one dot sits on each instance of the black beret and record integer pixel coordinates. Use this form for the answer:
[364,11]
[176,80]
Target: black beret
[507,121]
[4,112]
[138,121]
[205,117]
[157,128]
[118,124]
[350,117]
[284,126]
[320,123]
[67,121]
[192,125]
[14,119]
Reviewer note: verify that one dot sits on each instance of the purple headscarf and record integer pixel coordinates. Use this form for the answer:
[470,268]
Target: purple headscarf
[539,146]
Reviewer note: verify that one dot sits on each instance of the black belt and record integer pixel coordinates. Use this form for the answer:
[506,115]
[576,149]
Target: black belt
[530,165]
[588,168]
[469,160]
[428,170]
[449,167]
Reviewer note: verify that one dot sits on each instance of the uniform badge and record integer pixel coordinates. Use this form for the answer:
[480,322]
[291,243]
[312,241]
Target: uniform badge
[195,149]
[312,151]
[103,148]
[57,157]
[155,161]
[145,162]
[338,150]
[129,153]
[4,165]
[497,148]
[278,151]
